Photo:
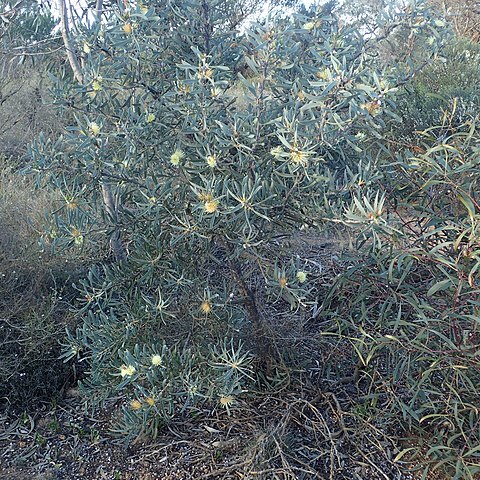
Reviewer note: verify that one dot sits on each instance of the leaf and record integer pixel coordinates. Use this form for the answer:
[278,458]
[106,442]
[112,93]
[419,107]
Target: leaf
[211,430]
[439,287]
[401,454]
[467,202]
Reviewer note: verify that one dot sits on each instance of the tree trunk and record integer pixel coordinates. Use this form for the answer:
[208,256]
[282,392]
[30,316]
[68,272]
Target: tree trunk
[107,195]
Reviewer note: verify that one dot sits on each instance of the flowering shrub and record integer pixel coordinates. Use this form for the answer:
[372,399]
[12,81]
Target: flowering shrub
[195,151]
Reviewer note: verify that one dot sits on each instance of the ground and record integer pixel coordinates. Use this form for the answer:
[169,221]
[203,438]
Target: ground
[305,435]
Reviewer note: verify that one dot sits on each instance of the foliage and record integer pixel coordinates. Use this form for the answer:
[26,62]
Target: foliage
[450,80]
[408,305]
[23,23]
[201,188]
[26,47]
[33,297]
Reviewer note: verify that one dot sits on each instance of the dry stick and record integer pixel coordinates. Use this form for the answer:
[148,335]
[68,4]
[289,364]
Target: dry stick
[107,194]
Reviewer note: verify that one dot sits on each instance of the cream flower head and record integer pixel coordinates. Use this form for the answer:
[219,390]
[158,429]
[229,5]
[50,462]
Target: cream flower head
[94,128]
[156,360]
[177,157]
[210,206]
[127,370]
[301,277]
[212,161]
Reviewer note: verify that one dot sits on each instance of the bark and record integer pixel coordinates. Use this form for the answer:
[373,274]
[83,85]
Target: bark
[107,193]
[71,55]
[259,330]
[111,209]
[99,9]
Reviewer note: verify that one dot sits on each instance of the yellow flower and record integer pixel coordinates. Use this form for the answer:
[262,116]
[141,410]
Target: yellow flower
[212,161]
[301,95]
[226,400]
[77,236]
[267,36]
[71,205]
[184,88]
[150,118]
[309,26]
[156,360]
[150,401]
[94,128]
[176,157]
[192,389]
[127,370]
[127,28]
[206,307]
[371,107]
[301,277]
[86,47]
[298,157]
[324,74]
[205,72]
[97,85]
[205,197]
[136,405]
[282,282]
[211,206]
[276,152]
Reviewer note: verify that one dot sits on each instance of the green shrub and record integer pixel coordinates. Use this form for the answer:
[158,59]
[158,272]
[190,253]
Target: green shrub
[409,306]
[451,80]
[196,190]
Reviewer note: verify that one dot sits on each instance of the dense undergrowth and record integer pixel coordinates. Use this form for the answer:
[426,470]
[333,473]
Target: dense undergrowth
[35,295]
[408,305]
[210,299]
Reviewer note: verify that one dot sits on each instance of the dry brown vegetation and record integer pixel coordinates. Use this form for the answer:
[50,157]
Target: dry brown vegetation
[34,290]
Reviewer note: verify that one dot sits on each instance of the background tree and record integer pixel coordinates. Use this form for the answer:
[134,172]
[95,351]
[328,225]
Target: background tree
[26,47]
[464,15]
[448,87]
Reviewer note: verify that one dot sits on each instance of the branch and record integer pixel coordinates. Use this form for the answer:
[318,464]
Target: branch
[99,9]
[107,193]
[71,55]
[111,209]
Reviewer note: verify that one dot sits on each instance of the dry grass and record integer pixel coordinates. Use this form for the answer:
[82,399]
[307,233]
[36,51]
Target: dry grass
[301,434]
[22,218]
[25,105]
[34,285]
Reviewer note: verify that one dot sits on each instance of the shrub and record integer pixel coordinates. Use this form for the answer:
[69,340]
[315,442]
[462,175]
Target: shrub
[408,305]
[449,84]
[196,191]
